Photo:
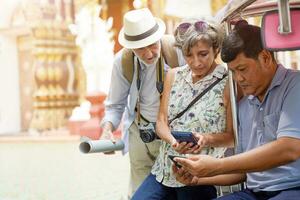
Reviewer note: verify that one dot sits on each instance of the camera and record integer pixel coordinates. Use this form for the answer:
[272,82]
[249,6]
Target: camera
[147,132]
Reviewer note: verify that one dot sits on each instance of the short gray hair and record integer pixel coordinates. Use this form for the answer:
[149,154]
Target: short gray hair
[213,36]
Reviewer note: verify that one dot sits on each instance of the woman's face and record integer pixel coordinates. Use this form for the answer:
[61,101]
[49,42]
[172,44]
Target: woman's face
[201,59]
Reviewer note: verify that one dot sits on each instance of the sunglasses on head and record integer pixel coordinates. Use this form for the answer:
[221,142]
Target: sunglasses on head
[200,26]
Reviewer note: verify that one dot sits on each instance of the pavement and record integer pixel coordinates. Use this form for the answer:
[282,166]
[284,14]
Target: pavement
[41,168]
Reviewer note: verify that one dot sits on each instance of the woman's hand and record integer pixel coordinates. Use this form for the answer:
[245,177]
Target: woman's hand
[202,141]
[190,148]
[184,147]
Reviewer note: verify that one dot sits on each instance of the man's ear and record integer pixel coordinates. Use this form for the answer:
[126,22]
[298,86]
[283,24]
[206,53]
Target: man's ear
[265,57]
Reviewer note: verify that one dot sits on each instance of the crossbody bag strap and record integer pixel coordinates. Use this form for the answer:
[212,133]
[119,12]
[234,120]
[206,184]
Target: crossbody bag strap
[197,98]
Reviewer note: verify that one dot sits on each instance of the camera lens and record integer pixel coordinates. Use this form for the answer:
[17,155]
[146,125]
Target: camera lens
[147,136]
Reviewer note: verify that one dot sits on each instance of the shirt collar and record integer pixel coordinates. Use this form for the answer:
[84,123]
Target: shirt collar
[278,77]
[276,81]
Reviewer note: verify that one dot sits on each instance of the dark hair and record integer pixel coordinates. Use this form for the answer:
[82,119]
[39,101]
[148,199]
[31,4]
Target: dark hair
[245,39]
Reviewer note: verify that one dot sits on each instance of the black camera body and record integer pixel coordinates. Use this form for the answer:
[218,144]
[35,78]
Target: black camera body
[147,132]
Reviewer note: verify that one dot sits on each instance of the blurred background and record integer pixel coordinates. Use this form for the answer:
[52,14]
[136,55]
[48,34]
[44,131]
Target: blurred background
[55,63]
[54,53]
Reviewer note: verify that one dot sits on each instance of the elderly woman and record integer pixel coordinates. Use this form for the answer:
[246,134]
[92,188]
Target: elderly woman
[209,118]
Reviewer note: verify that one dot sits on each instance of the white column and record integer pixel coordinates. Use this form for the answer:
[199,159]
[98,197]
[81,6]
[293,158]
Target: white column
[58,16]
[10,114]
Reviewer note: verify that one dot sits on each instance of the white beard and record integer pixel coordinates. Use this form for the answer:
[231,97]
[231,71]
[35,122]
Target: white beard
[146,64]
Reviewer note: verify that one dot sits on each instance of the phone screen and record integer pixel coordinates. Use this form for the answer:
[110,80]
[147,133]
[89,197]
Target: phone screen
[182,136]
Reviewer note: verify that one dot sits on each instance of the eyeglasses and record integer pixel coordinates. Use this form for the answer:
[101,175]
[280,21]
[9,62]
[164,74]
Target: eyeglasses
[200,26]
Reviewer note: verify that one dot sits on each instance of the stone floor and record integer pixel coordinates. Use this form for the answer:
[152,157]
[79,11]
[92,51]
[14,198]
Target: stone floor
[44,169]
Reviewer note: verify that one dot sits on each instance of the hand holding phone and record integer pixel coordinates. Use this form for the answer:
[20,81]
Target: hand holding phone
[171,157]
[183,136]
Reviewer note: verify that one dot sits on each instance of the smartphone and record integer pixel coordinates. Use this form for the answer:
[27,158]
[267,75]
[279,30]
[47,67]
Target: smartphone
[183,136]
[176,163]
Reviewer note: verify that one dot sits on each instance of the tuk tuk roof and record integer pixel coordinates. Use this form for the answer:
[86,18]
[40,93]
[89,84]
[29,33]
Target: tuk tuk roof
[248,8]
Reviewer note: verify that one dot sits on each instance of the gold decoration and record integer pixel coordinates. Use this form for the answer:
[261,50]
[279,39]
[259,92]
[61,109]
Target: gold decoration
[216,5]
[42,74]
[53,43]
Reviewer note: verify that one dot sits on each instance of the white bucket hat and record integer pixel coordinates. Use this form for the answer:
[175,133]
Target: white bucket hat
[140,29]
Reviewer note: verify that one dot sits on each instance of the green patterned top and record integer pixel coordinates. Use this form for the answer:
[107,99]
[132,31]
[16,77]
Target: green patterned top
[208,115]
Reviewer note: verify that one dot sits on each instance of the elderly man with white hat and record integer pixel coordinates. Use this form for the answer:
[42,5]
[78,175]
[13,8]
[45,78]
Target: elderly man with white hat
[136,88]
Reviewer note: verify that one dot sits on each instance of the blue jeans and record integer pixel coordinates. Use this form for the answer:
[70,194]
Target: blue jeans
[290,194]
[150,189]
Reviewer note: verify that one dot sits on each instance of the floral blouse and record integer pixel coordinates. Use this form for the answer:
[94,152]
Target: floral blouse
[207,115]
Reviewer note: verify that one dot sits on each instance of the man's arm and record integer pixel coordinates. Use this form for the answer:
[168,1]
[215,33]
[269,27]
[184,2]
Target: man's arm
[186,178]
[117,97]
[222,180]
[280,152]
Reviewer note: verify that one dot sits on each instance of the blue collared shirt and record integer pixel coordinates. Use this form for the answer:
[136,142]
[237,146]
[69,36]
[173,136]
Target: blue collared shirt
[278,115]
[122,96]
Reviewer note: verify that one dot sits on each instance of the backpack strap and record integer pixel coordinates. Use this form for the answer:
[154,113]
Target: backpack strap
[128,64]
[169,51]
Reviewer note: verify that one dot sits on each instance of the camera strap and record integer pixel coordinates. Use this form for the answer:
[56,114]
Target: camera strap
[159,85]
[197,98]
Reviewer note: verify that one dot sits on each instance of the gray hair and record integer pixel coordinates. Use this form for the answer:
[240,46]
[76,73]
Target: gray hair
[213,36]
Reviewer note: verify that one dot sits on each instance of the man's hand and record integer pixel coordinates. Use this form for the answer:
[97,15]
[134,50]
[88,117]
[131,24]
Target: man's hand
[107,134]
[184,176]
[200,166]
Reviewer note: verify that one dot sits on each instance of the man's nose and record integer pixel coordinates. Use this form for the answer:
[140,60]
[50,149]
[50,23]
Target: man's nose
[239,77]
[148,53]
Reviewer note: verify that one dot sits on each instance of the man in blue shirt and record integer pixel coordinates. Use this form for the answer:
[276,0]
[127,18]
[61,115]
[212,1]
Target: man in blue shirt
[268,156]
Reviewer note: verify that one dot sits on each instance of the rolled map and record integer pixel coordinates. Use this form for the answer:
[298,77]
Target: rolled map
[98,146]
